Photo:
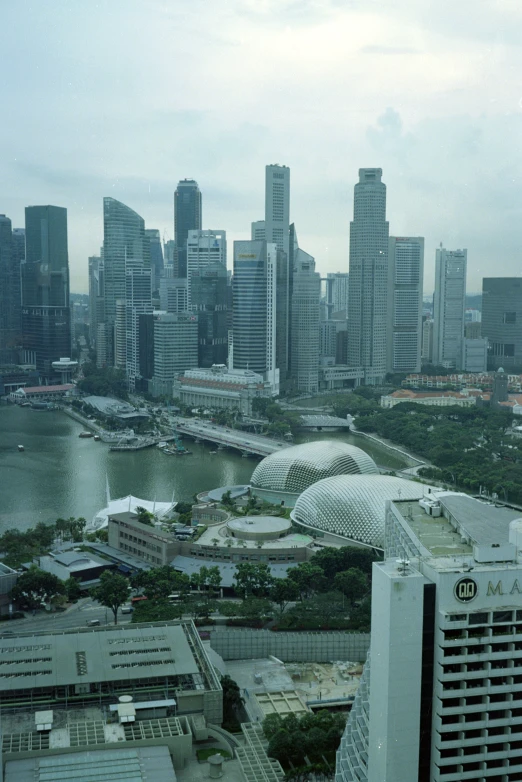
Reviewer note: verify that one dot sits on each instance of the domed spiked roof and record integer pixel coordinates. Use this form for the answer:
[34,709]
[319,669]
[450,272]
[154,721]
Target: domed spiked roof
[296,468]
[353,506]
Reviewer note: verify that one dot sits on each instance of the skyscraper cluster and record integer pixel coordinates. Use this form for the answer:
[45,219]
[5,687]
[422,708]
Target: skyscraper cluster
[269,312]
[35,313]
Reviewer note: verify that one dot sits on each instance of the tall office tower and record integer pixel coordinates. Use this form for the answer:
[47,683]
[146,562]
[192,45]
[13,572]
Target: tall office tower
[406,275]
[440,697]
[46,314]
[156,256]
[473,329]
[209,299]
[277,231]
[449,302]
[474,355]
[327,339]
[368,293]
[187,217]
[337,292]
[304,365]
[254,309]
[95,296]
[173,294]
[138,301]
[145,350]
[124,247]
[258,231]
[427,340]
[10,302]
[203,249]
[169,255]
[293,247]
[502,321]
[175,348]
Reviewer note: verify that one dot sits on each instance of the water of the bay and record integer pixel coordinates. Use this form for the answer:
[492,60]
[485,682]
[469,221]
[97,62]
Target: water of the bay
[60,474]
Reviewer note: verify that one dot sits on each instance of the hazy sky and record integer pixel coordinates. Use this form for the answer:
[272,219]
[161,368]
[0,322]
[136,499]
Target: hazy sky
[126,97]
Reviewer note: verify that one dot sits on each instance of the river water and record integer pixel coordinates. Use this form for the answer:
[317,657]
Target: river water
[60,474]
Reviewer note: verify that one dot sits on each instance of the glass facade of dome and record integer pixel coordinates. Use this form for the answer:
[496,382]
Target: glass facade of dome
[296,468]
[353,506]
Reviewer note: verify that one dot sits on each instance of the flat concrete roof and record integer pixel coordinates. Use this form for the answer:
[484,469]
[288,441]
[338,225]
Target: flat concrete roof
[465,516]
[482,521]
[123,653]
[262,524]
[190,565]
[132,765]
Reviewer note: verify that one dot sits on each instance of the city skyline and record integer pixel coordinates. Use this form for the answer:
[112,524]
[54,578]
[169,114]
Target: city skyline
[432,109]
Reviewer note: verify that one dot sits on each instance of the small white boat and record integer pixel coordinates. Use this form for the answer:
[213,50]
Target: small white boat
[162,444]
[21,448]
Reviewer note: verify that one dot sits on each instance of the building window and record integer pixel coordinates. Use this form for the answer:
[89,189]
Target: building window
[509,318]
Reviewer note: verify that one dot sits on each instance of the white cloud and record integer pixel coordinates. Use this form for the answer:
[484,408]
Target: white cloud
[125,97]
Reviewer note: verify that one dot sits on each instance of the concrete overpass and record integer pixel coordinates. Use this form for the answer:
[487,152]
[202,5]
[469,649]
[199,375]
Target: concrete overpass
[248,443]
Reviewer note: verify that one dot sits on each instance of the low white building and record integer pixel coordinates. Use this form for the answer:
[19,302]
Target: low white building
[437,398]
[221,388]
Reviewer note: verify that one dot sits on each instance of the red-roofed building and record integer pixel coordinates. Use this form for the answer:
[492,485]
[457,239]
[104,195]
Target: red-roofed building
[42,393]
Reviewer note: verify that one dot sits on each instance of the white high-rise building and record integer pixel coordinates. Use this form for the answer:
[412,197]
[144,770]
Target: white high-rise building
[405,275]
[440,698]
[368,292]
[277,231]
[306,294]
[204,248]
[277,207]
[449,304]
[175,348]
[138,302]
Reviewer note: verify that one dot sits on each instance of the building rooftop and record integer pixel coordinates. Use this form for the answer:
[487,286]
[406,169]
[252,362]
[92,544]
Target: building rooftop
[46,389]
[190,565]
[118,653]
[466,522]
[131,765]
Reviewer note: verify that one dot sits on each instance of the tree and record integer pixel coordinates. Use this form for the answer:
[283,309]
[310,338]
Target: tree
[72,589]
[283,592]
[144,516]
[160,582]
[112,591]
[352,583]
[307,578]
[232,700]
[36,588]
[252,579]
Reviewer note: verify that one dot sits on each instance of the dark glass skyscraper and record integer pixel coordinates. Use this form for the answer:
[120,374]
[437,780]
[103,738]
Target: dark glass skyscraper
[187,217]
[209,293]
[46,315]
[10,302]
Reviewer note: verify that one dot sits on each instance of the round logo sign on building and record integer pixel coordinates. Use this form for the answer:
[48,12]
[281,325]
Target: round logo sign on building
[465,590]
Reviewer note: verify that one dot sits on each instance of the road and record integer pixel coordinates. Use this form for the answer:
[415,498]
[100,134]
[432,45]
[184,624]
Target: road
[78,615]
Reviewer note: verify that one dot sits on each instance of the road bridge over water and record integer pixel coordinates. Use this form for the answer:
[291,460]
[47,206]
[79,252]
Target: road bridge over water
[248,443]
